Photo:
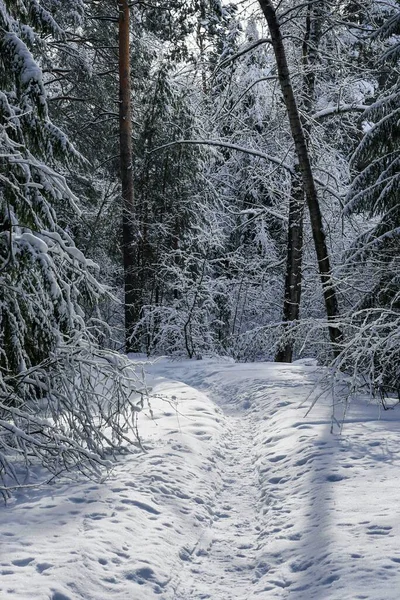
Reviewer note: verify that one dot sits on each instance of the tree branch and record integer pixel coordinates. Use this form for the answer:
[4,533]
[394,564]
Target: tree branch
[226,62]
[334,110]
[274,159]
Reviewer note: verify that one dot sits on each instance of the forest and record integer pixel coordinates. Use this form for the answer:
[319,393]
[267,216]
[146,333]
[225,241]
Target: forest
[189,178]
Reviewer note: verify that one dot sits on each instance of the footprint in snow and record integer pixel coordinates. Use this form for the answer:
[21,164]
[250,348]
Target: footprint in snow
[222,515]
[122,554]
[59,596]
[275,480]
[379,530]
[330,579]
[141,505]
[335,477]
[41,567]
[278,458]
[144,574]
[22,562]
[95,516]
[299,566]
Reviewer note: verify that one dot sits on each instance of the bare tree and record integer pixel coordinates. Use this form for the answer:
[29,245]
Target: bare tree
[293,277]
[303,157]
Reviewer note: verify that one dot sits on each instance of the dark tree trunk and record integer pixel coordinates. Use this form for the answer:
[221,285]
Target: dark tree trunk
[125,136]
[293,277]
[303,158]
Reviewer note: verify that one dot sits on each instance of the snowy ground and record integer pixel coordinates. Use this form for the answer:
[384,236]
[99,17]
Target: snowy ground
[239,497]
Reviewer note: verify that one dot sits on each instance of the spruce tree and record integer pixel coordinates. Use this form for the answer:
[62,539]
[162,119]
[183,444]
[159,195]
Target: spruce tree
[374,194]
[54,380]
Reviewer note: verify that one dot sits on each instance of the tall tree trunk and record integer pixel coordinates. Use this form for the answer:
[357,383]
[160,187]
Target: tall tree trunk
[293,277]
[125,137]
[303,158]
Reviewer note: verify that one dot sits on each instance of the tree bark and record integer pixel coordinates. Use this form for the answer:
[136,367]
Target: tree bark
[125,137]
[293,277]
[303,158]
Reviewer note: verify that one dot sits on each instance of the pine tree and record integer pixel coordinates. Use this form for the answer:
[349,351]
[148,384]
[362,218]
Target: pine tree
[174,250]
[377,158]
[49,360]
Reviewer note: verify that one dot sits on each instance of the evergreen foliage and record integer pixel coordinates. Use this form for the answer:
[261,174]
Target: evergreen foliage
[375,193]
[54,382]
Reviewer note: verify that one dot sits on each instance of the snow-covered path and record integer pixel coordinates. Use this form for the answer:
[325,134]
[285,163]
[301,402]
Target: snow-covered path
[240,496]
[223,563]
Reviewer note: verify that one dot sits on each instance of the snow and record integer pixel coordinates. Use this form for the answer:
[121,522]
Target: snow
[239,496]
[23,60]
[34,242]
[366,126]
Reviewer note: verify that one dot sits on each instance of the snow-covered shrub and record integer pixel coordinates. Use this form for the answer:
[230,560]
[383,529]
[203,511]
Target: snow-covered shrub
[70,413]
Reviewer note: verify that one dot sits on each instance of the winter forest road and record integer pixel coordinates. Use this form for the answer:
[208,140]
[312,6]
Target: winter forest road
[223,563]
[240,495]
[237,557]
[298,513]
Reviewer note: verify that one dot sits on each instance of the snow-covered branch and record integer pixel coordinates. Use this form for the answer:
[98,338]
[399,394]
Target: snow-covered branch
[340,109]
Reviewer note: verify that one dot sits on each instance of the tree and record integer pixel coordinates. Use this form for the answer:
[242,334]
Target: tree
[303,157]
[174,250]
[55,382]
[132,309]
[293,277]
[374,193]
[168,214]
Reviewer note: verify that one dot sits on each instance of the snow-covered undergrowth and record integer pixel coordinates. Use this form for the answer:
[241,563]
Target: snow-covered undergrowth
[238,496]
